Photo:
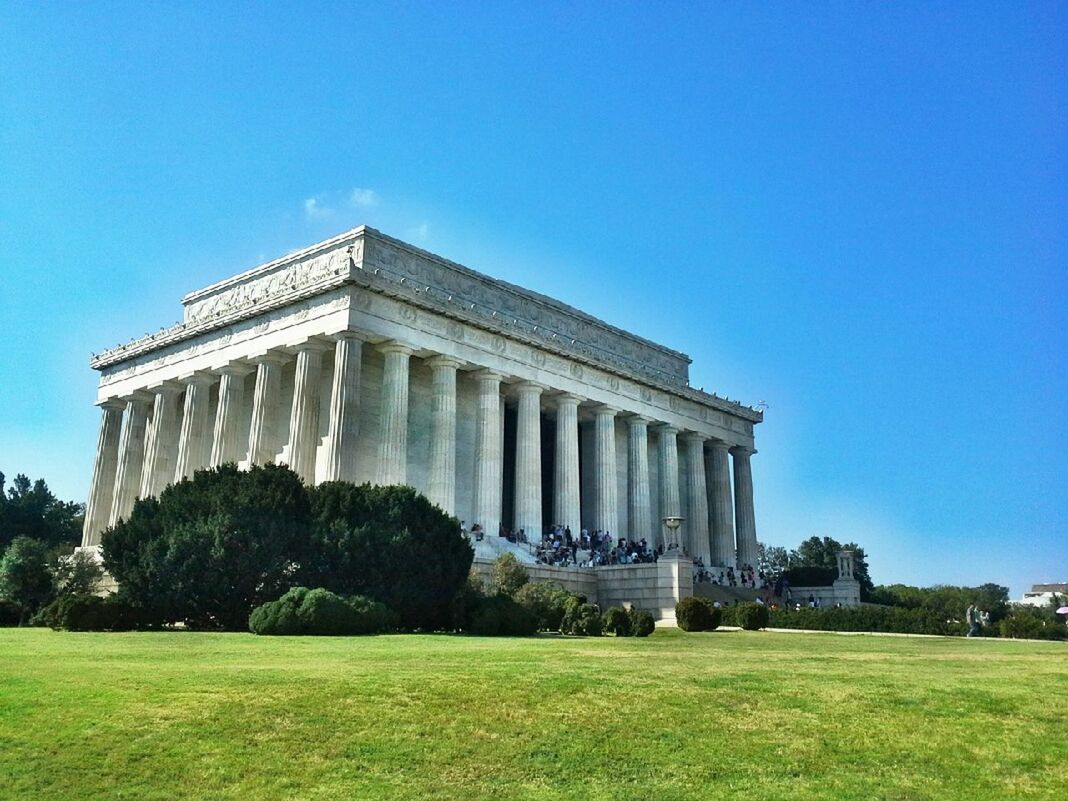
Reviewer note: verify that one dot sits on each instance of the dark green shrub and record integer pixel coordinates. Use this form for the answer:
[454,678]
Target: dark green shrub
[641,622]
[897,619]
[616,621]
[753,617]
[716,613]
[694,614]
[212,548]
[465,602]
[500,616]
[582,620]
[9,613]
[319,612]
[88,613]
[390,544]
[1032,625]
[547,601]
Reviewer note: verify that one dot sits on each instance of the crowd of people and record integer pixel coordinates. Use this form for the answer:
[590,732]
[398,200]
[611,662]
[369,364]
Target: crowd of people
[560,547]
[745,576]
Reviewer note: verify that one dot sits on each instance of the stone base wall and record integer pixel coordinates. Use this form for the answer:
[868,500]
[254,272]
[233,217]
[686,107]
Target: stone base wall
[653,587]
[843,591]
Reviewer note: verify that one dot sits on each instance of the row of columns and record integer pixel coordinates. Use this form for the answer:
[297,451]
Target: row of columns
[134,460]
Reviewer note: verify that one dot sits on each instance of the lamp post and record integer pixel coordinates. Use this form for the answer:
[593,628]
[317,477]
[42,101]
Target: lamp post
[672,523]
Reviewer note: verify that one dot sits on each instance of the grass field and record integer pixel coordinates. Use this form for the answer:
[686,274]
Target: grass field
[699,716]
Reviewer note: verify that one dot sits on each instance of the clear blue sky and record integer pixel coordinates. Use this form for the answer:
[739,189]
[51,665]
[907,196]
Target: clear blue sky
[856,213]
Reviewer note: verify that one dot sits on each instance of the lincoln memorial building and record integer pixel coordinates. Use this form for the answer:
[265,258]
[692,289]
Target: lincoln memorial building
[365,359]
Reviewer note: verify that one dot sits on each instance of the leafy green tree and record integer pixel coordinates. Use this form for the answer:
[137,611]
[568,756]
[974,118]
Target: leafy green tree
[25,579]
[823,553]
[391,544]
[29,509]
[945,602]
[772,559]
[508,575]
[212,548]
[77,573]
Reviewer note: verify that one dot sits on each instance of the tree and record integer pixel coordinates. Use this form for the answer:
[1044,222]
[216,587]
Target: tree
[945,602]
[508,575]
[78,573]
[24,576]
[212,548]
[823,553]
[390,544]
[772,559]
[31,510]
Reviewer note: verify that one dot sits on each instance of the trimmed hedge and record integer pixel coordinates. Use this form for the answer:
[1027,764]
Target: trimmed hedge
[500,616]
[697,614]
[320,612]
[753,617]
[616,621]
[89,613]
[641,622]
[547,601]
[896,619]
[582,619]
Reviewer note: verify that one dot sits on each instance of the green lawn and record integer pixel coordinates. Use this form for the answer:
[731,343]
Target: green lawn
[698,716]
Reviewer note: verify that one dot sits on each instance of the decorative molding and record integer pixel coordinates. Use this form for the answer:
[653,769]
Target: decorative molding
[378,265]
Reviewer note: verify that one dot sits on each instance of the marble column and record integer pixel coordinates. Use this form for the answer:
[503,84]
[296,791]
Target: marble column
[263,445]
[697,506]
[193,443]
[442,484]
[344,409]
[639,506]
[161,441]
[487,499]
[606,509]
[393,446]
[226,435]
[131,458]
[304,412]
[668,469]
[566,508]
[721,503]
[102,487]
[744,517]
[528,461]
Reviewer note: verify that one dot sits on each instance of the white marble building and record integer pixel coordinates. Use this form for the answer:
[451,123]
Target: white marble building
[367,359]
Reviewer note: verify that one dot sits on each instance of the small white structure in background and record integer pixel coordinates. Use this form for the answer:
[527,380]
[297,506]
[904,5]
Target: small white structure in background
[1042,595]
[845,590]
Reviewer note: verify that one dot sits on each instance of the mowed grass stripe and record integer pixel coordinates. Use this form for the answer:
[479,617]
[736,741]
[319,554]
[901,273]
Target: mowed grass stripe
[676,716]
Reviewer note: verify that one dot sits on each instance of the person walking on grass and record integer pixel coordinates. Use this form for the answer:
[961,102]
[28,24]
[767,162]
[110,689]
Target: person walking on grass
[971,617]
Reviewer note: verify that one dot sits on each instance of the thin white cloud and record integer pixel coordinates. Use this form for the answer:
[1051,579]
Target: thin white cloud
[421,232]
[315,210]
[364,197]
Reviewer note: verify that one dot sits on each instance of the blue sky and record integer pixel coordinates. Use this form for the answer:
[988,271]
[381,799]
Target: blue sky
[854,212]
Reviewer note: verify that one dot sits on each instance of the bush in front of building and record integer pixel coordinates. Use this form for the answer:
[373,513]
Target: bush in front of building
[616,621]
[391,544]
[867,617]
[697,614]
[84,612]
[642,623]
[500,616]
[212,548]
[753,617]
[301,611]
[582,619]
[547,601]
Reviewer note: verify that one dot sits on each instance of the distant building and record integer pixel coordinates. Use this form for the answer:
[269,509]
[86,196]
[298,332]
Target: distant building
[1042,594]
